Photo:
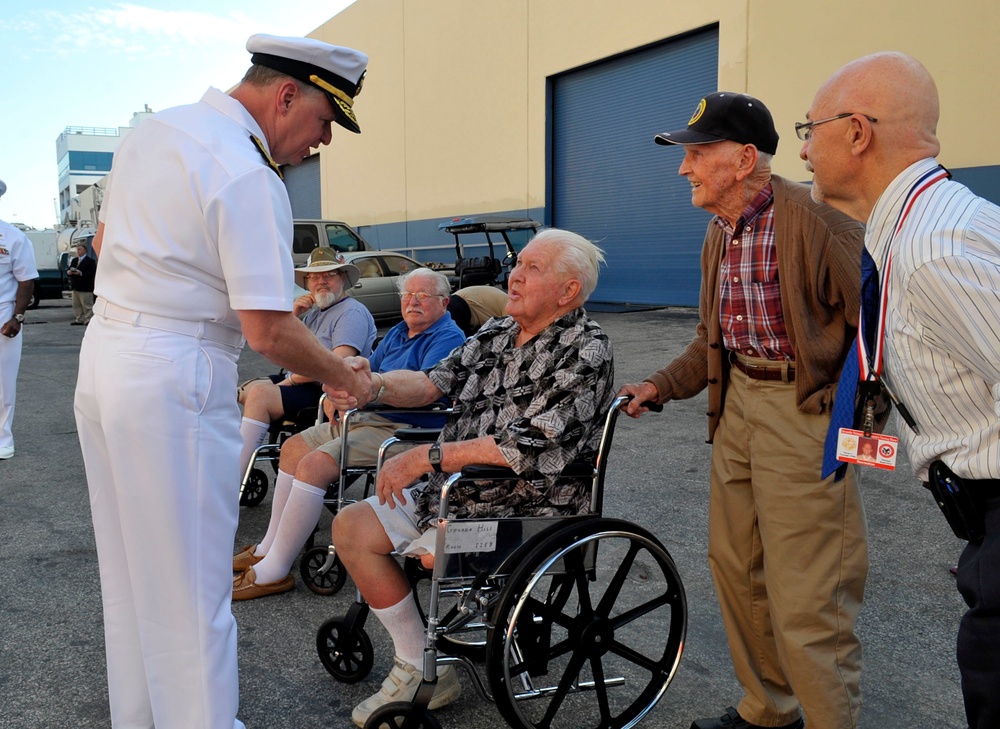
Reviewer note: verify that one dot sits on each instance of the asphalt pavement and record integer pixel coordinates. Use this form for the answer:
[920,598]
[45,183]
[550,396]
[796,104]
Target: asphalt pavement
[52,670]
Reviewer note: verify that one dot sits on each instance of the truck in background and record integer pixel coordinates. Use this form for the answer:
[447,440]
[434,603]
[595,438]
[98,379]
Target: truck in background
[337,235]
[49,283]
[54,249]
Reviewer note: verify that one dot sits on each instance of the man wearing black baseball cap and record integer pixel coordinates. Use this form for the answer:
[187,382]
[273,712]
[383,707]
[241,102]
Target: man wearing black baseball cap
[779,307]
[195,242]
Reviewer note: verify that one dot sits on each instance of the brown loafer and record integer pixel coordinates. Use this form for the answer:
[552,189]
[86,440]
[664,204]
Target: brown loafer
[244,560]
[245,586]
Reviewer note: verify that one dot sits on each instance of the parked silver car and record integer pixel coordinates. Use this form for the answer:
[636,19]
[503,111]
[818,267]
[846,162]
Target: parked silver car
[376,288]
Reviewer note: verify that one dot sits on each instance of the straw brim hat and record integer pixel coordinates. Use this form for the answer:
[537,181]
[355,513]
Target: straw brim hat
[352,272]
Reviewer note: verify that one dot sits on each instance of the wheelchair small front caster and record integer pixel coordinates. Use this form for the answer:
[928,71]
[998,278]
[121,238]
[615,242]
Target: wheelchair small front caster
[321,578]
[401,715]
[255,489]
[347,654]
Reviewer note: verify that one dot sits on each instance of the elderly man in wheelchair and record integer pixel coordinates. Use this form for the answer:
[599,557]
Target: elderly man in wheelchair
[309,460]
[529,391]
[341,323]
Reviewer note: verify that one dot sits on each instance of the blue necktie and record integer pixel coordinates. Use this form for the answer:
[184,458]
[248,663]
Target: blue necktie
[843,414]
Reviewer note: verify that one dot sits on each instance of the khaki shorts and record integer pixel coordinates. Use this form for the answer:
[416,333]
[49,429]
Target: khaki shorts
[367,434]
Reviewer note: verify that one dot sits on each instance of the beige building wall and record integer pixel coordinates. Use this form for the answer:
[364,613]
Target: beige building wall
[453,111]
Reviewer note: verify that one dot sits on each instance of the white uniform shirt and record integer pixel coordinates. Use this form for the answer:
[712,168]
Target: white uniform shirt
[17,261]
[199,226]
[943,324]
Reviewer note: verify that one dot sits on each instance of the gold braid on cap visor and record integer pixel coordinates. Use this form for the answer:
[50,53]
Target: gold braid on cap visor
[330,88]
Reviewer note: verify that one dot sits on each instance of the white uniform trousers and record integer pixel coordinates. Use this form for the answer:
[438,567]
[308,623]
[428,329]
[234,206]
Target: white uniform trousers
[10,360]
[159,429]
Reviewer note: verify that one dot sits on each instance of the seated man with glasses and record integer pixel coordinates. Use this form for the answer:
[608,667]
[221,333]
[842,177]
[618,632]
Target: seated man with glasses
[309,460]
[342,324]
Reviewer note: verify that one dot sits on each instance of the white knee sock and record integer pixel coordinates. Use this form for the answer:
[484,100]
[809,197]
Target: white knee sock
[298,519]
[406,629]
[282,487]
[253,433]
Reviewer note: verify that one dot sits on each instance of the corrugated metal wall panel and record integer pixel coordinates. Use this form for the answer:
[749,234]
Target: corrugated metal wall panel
[302,182]
[612,184]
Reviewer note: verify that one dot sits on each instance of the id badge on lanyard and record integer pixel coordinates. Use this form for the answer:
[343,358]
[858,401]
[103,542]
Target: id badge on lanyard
[862,446]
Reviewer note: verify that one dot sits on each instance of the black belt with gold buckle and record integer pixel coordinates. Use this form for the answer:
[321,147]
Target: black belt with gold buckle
[755,372]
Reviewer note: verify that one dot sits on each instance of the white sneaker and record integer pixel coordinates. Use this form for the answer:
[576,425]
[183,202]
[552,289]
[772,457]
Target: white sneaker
[6,452]
[401,685]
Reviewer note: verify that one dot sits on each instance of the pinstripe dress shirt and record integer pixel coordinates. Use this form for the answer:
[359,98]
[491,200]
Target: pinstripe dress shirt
[942,338]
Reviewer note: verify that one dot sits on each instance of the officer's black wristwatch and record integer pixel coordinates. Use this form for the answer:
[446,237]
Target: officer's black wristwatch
[434,456]
[19,318]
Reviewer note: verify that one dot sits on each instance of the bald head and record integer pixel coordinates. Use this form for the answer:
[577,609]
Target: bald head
[897,90]
[878,115]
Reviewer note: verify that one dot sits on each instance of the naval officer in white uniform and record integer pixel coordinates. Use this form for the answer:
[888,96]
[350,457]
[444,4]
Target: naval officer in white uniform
[195,245]
[17,281]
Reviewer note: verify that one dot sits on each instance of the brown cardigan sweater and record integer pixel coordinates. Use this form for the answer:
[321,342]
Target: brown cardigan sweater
[819,274]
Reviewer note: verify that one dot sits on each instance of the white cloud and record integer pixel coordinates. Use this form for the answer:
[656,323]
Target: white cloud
[95,62]
[134,30]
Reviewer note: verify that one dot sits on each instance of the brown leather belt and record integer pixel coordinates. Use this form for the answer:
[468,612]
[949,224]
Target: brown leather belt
[756,372]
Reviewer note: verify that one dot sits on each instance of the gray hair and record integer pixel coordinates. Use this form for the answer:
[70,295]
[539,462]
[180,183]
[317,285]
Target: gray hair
[439,281]
[579,258]
[262,76]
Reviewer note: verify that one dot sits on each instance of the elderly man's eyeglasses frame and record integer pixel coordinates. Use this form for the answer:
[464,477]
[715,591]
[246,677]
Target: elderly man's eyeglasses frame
[322,275]
[422,296]
[803,130]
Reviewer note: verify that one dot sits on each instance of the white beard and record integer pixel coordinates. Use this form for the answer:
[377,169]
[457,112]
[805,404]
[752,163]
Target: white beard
[325,299]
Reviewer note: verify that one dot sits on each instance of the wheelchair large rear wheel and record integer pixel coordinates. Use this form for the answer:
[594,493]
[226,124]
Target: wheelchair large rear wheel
[347,654]
[589,629]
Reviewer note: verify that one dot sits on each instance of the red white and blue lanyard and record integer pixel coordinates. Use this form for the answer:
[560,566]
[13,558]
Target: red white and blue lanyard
[870,367]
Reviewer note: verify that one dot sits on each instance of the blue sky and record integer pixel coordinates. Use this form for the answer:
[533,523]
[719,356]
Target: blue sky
[96,63]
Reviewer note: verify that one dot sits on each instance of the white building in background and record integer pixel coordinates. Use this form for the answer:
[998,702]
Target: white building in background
[83,157]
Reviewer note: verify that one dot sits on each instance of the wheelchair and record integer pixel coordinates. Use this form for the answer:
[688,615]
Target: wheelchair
[253,487]
[320,568]
[579,621]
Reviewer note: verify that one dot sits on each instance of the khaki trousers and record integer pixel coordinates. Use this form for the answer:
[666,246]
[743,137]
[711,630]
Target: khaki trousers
[789,557]
[83,306]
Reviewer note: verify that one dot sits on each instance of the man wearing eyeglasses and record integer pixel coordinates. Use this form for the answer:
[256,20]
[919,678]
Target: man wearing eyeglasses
[781,277]
[310,460]
[937,247]
[342,325]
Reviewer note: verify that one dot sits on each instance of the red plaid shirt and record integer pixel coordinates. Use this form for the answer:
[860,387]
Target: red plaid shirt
[750,297]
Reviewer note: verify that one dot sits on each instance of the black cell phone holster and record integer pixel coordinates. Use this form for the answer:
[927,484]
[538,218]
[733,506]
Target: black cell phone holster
[958,501]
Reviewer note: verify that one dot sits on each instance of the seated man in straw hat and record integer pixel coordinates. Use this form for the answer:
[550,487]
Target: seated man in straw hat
[342,324]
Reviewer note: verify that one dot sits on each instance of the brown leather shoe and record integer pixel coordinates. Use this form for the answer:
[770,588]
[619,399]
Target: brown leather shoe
[245,586]
[244,560]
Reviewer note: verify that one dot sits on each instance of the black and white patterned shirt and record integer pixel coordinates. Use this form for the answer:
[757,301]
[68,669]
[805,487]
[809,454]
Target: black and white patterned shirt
[542,402]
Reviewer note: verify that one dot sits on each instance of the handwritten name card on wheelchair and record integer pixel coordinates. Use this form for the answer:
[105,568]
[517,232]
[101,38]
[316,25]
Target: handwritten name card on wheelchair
[462,537]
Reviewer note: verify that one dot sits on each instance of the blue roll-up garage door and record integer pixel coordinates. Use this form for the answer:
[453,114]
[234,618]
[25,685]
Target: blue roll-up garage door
[612,184]
[302,182]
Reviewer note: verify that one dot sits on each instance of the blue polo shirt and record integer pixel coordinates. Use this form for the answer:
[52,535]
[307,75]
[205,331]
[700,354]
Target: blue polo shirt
[397,351]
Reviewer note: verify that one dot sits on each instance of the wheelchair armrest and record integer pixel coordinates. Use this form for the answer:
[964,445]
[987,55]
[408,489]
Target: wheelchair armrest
[434,407]
[417,435]
[488,472]
[577,469]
